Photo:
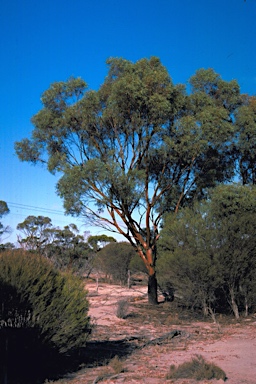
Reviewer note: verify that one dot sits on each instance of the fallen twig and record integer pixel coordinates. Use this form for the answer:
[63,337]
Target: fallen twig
[165,338]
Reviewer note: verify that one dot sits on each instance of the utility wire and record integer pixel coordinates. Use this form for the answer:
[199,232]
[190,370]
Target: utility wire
[37,209]
[30,207]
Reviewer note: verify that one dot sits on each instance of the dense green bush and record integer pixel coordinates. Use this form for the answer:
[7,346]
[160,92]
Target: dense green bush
[206,252]
[34,294]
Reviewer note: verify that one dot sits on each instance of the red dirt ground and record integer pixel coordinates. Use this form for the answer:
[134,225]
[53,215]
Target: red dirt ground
[230,345]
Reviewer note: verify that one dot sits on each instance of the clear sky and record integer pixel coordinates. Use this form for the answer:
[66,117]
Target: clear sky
[43,41]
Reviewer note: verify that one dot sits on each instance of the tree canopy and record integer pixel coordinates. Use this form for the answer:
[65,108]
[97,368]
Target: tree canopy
[37,230]
[245,143]
[4,210]
[135,148]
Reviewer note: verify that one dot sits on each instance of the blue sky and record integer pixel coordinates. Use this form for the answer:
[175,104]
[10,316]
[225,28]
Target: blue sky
[50,40]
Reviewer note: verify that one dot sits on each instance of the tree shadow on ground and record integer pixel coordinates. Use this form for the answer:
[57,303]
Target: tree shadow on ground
[30,362]
[98,352]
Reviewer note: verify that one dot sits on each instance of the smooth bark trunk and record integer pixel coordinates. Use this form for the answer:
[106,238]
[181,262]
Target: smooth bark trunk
[246,307]
[129,279]
[234,304]
[152,289]
[149,258]
[205,308]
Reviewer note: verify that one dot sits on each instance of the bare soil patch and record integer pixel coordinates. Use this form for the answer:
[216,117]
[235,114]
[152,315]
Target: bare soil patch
[142,347]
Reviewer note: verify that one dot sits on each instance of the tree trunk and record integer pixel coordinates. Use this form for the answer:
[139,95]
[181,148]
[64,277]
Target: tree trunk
[233,303]
[129,279]
[149,261]
[205,308]
[212,314]
[246,306]
[152,289]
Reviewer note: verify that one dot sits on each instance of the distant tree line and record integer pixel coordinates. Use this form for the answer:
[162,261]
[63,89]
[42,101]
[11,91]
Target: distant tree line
[68,250]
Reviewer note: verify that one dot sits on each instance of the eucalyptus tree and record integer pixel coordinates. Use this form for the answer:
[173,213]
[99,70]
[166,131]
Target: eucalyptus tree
[135,148]
[245,143]
[69,250]
[97,242]
[37,232]
[65,247]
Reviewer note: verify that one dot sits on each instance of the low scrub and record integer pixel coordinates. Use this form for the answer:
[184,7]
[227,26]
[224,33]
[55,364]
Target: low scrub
[197,368]
[117,365]
[43,314]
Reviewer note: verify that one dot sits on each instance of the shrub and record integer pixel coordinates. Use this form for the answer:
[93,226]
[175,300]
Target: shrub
[35,295]
[197,368]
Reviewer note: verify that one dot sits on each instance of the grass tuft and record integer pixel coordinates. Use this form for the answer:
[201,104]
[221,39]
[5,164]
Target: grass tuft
[197,368]
[117,365]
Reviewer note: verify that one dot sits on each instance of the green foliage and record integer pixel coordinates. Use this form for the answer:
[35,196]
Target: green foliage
[137,147]
[114,260]
[33,294]
[78,258]
[234,214]
[6,246]
[137,130]
[186,258]
[97,242]
[37,230]
[4,210]
[66,249]
[211,248]
[244,146]
[136,264]
[197,369]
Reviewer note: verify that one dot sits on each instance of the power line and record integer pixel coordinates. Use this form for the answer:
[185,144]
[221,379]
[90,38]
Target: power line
[49,211]
[23,215]
[38,209]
